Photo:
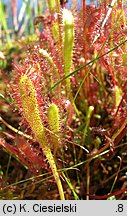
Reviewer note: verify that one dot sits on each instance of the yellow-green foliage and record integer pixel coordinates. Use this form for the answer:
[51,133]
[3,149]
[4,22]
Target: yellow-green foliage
[53,122]
[31,110]
[49,59]
[118,95]
[52,5]
[55,31]
[31,113]
[68,42]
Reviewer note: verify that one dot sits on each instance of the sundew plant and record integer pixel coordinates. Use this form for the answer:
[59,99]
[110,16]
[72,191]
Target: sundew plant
[67,131]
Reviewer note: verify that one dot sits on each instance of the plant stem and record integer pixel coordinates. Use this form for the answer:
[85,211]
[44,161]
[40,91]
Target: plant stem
[52,163]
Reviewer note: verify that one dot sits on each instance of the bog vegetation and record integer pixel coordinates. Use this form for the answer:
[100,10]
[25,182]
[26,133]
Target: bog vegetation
[63,104]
